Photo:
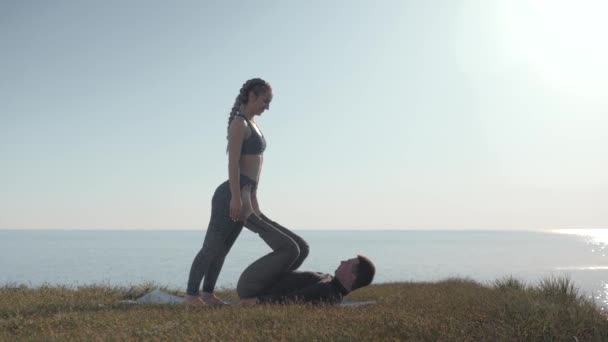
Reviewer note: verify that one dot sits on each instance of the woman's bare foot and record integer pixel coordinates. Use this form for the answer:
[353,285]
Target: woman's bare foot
[194,301]
[211,299]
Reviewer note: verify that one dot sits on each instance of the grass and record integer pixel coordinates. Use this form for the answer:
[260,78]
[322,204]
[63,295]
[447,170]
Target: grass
[451,310]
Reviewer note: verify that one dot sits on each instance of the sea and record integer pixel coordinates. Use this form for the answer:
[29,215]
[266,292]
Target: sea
[75,258]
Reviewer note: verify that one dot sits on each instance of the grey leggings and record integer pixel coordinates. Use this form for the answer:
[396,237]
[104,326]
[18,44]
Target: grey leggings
[288,253]
[289,250]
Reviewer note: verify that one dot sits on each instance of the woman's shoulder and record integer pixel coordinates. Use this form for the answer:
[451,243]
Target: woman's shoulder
[239,120]
[239,127]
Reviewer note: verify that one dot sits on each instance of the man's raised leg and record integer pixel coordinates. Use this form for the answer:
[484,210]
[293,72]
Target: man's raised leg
[302,244]
[263,272]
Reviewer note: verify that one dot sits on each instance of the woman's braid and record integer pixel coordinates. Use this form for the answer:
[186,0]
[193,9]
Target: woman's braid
[257,85]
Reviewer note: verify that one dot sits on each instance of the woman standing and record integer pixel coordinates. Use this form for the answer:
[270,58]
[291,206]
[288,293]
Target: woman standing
[235,203]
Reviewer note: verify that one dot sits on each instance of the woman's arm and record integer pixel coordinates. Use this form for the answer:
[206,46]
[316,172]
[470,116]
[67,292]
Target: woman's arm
[236,135]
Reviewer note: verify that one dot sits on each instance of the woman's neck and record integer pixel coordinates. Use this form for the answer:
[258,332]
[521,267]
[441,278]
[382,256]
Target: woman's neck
[247,113]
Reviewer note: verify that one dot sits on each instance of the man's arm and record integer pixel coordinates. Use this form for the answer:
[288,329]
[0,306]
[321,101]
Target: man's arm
[316,293]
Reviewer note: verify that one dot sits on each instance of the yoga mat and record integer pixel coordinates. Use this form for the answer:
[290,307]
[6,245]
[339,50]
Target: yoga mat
[161,297]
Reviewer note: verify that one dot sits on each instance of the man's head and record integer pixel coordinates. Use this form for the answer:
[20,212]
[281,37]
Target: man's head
[355,273]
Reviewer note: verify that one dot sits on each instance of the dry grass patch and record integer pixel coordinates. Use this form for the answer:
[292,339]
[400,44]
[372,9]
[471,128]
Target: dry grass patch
[453,309]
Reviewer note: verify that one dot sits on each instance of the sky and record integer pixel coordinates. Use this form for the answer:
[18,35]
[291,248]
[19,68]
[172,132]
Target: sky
[386,114]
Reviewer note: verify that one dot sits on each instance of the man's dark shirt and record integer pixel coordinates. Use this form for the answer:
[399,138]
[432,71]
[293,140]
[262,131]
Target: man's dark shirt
[296,286]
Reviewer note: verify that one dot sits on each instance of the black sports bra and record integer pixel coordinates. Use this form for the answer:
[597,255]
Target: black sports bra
[255,144]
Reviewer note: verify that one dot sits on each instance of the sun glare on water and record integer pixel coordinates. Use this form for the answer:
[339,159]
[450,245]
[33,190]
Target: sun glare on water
[596,236]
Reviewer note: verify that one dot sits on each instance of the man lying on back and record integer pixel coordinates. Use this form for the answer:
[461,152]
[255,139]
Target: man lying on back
[312,287]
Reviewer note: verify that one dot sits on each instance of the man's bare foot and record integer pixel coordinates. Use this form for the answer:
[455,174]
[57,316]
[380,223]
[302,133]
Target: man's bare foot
[211,299]
[194,301]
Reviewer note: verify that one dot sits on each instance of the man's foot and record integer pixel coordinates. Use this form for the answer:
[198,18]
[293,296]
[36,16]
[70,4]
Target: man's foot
[211,299]
[194,301]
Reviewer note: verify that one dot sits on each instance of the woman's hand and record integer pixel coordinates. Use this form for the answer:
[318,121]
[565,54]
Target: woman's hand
[236,205]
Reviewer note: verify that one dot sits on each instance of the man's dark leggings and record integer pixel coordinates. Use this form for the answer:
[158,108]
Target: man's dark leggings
[289,250]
